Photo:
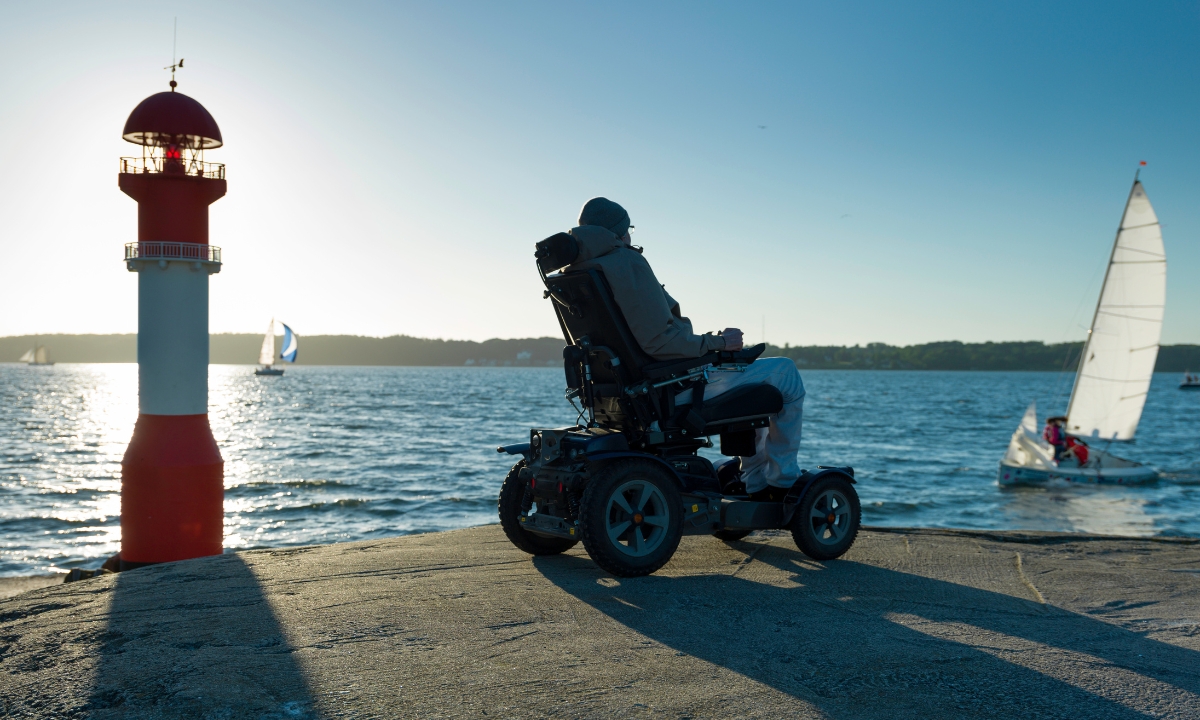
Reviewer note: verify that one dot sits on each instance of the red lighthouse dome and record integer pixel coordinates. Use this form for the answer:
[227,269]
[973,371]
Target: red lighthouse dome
[171,118]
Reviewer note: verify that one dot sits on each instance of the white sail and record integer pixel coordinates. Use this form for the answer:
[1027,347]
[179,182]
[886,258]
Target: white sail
[266,355]
[41,357]
[27,357]
[1122,346]
[1027,448]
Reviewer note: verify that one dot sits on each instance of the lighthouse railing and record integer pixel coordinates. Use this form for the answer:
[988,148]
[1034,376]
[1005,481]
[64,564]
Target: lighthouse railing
[173,166]
[161,250]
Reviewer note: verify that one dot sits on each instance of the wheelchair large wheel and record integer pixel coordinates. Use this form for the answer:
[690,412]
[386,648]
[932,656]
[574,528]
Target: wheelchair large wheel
[512,492]
[631,517]
[827,519]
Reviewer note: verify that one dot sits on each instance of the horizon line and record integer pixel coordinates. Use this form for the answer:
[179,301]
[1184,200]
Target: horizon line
[553,338]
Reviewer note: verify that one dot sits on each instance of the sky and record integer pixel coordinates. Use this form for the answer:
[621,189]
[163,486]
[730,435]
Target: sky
[811,172]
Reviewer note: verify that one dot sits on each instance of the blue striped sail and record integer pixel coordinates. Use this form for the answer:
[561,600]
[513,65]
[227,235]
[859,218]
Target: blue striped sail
[291,343]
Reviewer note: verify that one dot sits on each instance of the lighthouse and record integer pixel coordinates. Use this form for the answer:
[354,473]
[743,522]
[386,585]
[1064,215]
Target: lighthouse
[172,474]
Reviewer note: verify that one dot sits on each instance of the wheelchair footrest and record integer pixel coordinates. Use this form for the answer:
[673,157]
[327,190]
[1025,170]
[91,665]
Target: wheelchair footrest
[549,526]
[701,513]
[749,515]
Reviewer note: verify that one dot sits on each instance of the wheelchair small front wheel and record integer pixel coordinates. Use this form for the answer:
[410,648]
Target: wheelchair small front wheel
[631,517]
[512,493]
[827,519]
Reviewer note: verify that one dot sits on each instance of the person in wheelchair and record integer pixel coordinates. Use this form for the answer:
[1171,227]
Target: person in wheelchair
[662,331]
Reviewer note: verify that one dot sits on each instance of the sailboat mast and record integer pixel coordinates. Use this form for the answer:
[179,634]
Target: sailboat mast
[1091,328]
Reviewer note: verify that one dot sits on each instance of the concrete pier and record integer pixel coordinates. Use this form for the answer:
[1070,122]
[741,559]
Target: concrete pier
[910,624]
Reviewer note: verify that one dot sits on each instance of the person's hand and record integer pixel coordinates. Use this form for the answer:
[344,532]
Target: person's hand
[733,339]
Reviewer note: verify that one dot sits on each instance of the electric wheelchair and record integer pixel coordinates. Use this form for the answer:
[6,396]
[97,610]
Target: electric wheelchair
[628,480]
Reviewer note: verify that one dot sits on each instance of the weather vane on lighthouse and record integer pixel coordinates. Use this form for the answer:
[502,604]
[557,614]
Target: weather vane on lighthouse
[174,65]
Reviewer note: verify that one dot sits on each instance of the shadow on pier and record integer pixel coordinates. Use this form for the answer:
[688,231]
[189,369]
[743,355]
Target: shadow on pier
[863,641]
[197,645]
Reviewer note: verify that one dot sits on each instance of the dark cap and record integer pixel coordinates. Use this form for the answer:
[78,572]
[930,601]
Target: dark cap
[607,214]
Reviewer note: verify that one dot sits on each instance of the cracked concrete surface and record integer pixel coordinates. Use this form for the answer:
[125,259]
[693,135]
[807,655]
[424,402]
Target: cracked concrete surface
[911,623]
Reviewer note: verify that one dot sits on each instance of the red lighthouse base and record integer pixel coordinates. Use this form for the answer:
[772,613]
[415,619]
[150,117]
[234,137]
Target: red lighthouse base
[172,491]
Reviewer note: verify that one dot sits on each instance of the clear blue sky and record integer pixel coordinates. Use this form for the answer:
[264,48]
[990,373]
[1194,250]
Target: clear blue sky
[928,171]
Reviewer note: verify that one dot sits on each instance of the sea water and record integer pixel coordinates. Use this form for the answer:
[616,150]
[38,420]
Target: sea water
[328,454]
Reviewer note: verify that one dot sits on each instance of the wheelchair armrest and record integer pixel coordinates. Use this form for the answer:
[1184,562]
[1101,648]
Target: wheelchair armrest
[667,368]
[745,356]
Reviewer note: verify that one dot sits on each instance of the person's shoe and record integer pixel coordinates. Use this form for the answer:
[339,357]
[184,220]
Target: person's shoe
[769,494]
[729,475]
[780,494]
[792,494]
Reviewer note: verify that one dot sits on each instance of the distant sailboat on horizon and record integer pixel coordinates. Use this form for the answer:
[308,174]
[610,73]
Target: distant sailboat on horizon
[1115,368]
[36,355]
[266,354]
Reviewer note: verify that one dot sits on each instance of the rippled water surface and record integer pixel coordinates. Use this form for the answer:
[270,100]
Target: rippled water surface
[328,454]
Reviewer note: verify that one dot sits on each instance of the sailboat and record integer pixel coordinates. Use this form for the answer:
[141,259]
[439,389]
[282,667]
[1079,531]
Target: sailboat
[1115,367]
[36,355]
[1190,381]
[266,354]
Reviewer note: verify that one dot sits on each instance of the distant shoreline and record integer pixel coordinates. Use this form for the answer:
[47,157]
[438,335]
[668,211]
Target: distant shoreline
[556,367]
[402,350]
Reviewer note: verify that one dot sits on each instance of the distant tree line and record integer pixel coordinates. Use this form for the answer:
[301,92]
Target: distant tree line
[242,349]
[955,355]
[938,356]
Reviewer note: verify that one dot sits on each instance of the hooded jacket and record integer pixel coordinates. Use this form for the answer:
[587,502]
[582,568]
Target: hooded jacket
[652,315]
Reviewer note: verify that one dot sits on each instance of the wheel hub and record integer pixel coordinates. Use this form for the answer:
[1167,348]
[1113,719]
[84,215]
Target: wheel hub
[637,518]
[830,517]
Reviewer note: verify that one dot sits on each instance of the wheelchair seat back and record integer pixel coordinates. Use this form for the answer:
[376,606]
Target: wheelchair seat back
[587,313]
[603,359]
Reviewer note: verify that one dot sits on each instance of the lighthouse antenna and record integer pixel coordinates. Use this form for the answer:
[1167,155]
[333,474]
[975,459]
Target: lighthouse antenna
[175,65]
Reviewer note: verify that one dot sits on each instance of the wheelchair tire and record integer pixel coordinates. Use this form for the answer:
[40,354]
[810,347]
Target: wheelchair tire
[731,535]
[631,517]
[827,519]
[509,507]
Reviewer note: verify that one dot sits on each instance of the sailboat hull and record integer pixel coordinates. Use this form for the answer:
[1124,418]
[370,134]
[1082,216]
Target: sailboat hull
[269,371]
[1117,472]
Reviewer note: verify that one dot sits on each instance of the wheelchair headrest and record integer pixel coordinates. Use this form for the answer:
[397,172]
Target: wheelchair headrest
[555,252]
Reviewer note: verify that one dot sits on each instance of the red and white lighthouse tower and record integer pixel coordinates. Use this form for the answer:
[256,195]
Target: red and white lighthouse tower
[172,475]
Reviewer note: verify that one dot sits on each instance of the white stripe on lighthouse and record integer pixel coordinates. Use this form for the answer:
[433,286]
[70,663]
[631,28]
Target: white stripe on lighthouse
[172,338]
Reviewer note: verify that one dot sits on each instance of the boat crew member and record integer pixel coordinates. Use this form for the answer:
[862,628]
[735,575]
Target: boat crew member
[1076,449]
[665,334]
[1056,436]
